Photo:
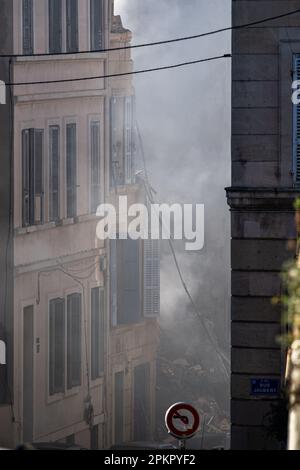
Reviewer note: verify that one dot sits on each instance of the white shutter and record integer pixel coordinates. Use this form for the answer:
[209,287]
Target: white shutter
[296,127]
[151,278]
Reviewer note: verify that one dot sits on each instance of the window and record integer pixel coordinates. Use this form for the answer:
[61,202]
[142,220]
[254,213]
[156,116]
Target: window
[73,340]
[27,24]
[142,421]
[95,168]
[122,141]
[96,24]
[32,176]
[125,281]
[57,346]
[54,161]
[97,332]
[72,25]
[95,437]
[55,26]
[119,408]
[296,127]
[71,156]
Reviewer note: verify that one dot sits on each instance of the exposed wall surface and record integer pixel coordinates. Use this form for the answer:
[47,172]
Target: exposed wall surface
[261,200]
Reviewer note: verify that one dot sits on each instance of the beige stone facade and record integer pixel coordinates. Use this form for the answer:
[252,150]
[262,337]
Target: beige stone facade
[56,258]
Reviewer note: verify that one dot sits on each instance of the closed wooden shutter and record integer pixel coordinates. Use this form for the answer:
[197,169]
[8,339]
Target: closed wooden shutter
[54,173]
[128,268]
[57,346]
[55,26]
[97,332]
[27,11]
[296,127]
[95,166]
[96,24]
[71,171]
[74,340]
[72,25]
[151,278]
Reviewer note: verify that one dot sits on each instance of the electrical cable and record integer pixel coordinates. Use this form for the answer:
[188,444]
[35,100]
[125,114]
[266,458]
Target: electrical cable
[123,74]
[157,43]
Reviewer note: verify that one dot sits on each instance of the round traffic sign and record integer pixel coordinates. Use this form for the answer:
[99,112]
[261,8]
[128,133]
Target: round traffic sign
[182,420]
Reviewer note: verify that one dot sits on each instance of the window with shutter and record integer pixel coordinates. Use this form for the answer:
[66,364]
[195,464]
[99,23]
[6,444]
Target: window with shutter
[57,346]
[117,175]
[97,332]
[54,173]
[142,416]
[113,281]
[72,25]
[55,26]
[32,176]
[122,151]
[71,170]
[119,408]
[296,127]
[96,24]
[95,162]
[129,140]
[73,340]
[27,23]
[151,301]
[125,281]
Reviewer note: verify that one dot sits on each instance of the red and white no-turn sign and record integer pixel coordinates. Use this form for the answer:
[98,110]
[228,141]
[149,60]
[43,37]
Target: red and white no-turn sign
[182,420]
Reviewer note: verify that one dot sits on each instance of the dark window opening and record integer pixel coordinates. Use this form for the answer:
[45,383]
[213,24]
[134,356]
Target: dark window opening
[32,176]
[27,23]
[57,346]
[96,24]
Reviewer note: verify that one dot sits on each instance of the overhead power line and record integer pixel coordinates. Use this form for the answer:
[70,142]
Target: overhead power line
[134,72]
[158,43]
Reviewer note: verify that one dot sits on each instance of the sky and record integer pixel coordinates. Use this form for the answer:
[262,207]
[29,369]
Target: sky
[184,120]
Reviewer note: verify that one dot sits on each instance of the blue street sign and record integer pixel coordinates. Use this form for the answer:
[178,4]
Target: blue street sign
[265,387]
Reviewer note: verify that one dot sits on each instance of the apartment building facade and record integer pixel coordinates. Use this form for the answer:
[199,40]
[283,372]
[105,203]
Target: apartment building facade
[80,314]
[265,182]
